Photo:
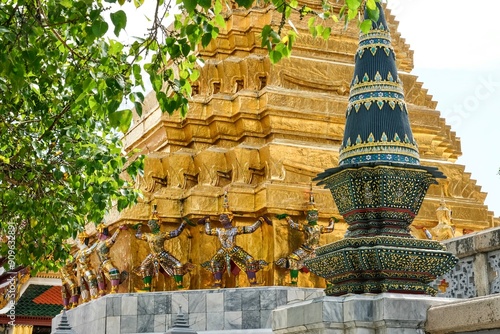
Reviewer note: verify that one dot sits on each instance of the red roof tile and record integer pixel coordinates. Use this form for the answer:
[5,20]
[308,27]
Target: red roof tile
[51,296]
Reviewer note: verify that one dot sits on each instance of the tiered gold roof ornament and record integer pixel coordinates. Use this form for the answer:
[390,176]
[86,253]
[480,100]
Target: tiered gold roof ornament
[379,186]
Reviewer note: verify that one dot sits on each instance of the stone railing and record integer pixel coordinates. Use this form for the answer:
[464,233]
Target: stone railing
[477,272]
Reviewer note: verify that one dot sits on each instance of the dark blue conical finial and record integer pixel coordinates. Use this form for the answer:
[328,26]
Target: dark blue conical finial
[377,125]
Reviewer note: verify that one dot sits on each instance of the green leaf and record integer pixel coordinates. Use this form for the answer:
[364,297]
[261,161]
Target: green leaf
[217,7]
[138,108]
[373,14]
[67,3]
[342,11]
[311,24]
[275,56]
[205,40]
[99,28]
[121,119]
[351,14]
[119,19]
[205,3]
[366,25]
[266,31]
[245,3]
[189,5]
[219,20]
[353,4]
[275,38]
[371,4]
[326,33]
[186,49]
[194,75]
[93,103]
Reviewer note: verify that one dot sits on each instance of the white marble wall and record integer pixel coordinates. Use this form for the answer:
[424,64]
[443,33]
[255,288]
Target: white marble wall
[229,310]
[385,313]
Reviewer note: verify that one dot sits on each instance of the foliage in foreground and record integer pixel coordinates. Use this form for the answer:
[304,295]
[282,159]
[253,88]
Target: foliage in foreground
[64,76]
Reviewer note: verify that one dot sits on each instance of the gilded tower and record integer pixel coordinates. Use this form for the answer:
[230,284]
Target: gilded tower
[261,133]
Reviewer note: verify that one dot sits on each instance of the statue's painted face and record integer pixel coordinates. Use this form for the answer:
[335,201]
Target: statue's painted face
[312,216]
[153,225]
[224,220]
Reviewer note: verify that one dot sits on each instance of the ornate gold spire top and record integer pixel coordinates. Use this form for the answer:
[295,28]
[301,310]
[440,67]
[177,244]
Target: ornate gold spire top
[225,205]
[311,205]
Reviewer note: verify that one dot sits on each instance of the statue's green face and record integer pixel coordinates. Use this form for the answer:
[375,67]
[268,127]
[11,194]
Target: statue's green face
[153,225]
[312,217]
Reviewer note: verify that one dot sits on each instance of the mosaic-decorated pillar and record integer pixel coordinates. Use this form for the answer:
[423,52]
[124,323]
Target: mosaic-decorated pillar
[379,185]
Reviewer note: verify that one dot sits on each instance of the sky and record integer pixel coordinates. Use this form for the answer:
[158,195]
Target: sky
[456,46]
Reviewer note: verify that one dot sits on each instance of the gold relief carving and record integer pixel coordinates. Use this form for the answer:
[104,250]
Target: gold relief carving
[445,228]
[190,180]
[458,183]
[246,164]
[214,167]
[323,77]
[300,170]
[261,81]
[239,84]
[414,93]
[276,169]
[294,79]
[216,87]
[178,165]
[224,177]
[154,174]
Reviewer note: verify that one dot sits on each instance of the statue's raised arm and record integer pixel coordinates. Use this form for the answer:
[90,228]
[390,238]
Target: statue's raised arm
[331,226]
[175,233]
[291,222]
[252,228]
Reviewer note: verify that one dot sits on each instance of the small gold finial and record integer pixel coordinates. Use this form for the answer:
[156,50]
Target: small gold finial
[225,205]
[311,205]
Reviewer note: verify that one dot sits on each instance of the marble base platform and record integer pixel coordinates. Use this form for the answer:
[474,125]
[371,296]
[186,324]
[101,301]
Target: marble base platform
[229,311]
[386,313]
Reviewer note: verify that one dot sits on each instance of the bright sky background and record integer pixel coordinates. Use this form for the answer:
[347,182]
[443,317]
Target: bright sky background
[456,46]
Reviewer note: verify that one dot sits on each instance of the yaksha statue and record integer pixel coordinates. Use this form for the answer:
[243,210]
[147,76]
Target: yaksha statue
[444,229]
[69,287]
[229,256]
[88,278]
[106,268]
[295,261]
[160,260]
